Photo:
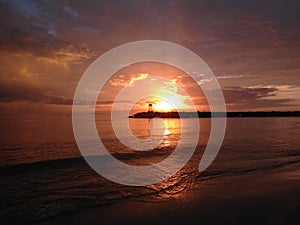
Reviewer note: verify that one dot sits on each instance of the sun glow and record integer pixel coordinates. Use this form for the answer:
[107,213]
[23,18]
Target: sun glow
[163,106]
[166,132]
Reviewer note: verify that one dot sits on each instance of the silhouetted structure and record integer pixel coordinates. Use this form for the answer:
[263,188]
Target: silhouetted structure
[150,109]
[151,114]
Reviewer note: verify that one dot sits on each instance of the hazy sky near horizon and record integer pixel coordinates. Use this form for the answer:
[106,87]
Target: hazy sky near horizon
[253,47]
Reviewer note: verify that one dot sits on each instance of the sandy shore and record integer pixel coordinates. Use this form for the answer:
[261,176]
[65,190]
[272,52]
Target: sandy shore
[269,197]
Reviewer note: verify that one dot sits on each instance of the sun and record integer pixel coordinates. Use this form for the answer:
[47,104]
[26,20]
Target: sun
[163,106]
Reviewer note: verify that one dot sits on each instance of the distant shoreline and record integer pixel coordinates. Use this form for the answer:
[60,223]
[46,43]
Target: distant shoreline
[216,114]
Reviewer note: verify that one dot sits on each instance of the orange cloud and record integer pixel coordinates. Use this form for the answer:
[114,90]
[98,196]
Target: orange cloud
[121,81]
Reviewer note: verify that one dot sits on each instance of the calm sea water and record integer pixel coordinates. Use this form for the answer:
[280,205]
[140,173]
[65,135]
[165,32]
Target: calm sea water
[43,173]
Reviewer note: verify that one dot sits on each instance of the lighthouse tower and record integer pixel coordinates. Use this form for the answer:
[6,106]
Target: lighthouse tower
[150,109]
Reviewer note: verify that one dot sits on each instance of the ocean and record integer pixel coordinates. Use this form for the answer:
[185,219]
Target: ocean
[43,174]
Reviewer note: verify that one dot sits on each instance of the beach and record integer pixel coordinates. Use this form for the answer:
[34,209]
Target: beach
[267,197]
[150,112]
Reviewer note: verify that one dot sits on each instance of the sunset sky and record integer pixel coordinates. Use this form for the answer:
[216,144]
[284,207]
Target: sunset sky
[253,48]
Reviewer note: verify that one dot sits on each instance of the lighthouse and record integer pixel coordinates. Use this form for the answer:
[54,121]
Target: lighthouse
[150,109]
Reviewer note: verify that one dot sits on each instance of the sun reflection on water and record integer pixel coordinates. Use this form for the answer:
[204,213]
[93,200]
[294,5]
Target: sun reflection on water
[169,129]
[167,132]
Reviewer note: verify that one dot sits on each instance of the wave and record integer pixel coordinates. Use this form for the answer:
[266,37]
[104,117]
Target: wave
[140,155]
[126,156]
[205,175]
[45,189]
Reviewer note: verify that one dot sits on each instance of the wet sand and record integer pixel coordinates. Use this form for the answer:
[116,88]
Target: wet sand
[268,197]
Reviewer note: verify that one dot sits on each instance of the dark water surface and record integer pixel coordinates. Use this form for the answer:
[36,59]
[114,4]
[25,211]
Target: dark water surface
[44,175]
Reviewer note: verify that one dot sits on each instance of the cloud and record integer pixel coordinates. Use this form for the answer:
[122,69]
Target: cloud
[245,94]
[231,76]
[23,93]
[58,101]
[256,97]
[141,76]
[45,46]
[281,91]
[36,29]
[71,11]
[121,81]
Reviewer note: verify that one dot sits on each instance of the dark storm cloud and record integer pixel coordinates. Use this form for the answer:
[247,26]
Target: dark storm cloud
[255,97]
[19,92]
[58,100]
[31,94]
[239,94]
[37,27]
[42,27]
